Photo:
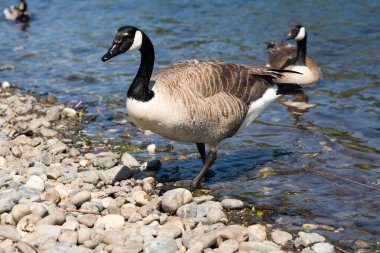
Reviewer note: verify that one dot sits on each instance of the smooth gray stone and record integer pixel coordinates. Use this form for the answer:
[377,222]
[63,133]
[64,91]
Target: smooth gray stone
[19,211]
[68,237]
[87,219]
[118,173]
[10,232]
[81,197]
[306,239]
[53,114]
[281,237]
[232,204]
[6,205]
[188,210]
[323,247]
[161,245]
[173,199]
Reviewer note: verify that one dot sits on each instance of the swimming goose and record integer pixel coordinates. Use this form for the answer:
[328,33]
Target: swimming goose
[197,101]
[13,13]
[290,57]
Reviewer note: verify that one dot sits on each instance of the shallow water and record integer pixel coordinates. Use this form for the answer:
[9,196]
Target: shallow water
[277,161]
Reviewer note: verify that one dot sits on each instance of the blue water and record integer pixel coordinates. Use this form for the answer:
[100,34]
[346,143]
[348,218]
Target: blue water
[58,53]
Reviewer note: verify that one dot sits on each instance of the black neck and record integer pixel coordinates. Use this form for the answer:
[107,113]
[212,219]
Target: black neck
[139,88]
[301,51]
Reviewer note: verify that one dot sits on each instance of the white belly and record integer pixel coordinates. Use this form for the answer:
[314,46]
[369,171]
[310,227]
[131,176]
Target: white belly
[258,106]
[307,78]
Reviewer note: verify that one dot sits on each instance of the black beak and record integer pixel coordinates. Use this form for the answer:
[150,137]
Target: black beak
[112,52]
[288,36]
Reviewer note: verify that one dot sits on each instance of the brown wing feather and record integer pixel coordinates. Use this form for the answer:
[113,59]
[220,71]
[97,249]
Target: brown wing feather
[281,55]
[208,78]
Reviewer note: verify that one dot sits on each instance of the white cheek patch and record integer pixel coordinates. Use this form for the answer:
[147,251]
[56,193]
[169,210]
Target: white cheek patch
[137,42]
[301,34]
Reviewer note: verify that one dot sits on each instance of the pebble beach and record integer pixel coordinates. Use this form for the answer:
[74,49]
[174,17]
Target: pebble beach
[57,197]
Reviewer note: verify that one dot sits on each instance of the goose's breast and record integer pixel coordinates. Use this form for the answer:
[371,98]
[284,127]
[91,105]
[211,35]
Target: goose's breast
[187,120]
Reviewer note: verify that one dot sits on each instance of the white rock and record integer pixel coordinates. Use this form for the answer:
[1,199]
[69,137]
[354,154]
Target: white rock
[232,204]
[35,182]
[5,85]
[196,247]
[128,160]
[83,162]
[229,246]
[323,247]
[281,237]
[151,148]
[81,197]
[305,239]
[141,198]
[19,211]
[173,199]
[69,112]
[2,161]
[259,231]
[111,221]
[161,245]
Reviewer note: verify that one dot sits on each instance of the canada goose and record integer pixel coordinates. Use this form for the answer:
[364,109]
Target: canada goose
[198,101]
[13,13]
[290,57]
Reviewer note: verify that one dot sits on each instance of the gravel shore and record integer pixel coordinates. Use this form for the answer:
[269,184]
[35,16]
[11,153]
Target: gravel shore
[56,198]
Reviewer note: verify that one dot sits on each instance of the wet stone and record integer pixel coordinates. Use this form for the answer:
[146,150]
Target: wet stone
[154,165]
[232,204]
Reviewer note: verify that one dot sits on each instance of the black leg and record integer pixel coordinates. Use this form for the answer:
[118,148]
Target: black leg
[202,151]
[210,159]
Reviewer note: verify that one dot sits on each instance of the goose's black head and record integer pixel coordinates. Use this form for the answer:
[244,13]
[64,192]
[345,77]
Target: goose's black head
[22,6]
[296,32]
[127,38]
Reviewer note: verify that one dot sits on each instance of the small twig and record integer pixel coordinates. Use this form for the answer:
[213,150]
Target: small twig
[340,249]
[84,212]
[78,104]
[98,107]
[329,174]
